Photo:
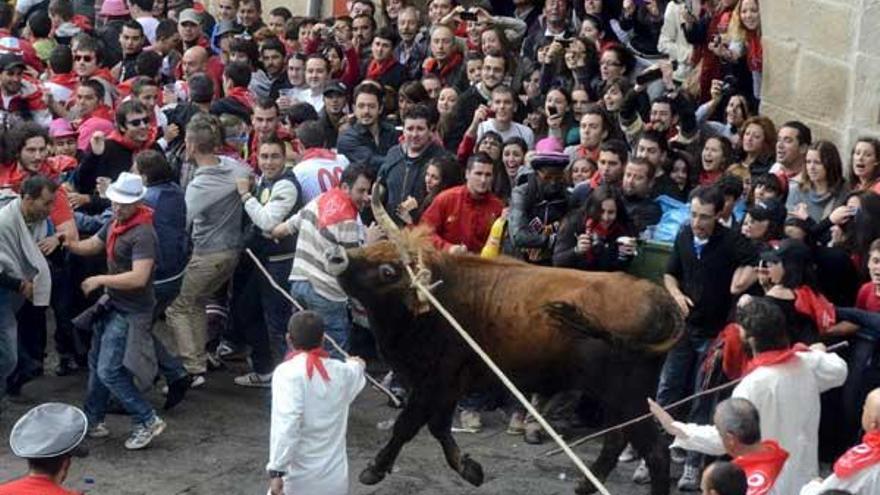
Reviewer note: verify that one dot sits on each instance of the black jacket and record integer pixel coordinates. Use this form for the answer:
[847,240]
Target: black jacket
[467,104]
[403,176]
[603,255]
[358,145]
[642,211]
[115,160]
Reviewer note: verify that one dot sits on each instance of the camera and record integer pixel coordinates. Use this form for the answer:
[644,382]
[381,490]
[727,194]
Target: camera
[728,85]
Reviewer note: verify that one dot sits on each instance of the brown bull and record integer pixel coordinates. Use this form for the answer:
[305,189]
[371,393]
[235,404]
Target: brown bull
[549,330]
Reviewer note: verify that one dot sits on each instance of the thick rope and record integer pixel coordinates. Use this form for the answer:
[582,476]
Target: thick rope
[375,383]
[507,383]
[579,441]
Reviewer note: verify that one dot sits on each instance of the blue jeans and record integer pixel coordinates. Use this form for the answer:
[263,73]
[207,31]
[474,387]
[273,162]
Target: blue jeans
[107,374]
[8,338]
[335,314]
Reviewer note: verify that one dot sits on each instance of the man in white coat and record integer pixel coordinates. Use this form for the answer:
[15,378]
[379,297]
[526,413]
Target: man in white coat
[310,398]
[858,470]
[784,384]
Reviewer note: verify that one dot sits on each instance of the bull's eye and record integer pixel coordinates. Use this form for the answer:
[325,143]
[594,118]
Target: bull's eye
[387,272]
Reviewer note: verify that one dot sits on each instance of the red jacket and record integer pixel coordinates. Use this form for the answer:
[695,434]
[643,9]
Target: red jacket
[458,218]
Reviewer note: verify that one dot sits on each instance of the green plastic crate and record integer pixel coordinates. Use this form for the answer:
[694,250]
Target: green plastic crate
[651,260]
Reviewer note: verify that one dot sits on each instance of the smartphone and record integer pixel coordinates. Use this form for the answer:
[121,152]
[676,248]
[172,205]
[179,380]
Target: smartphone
[468,16]
[490,114]
[649,76]
[552,111]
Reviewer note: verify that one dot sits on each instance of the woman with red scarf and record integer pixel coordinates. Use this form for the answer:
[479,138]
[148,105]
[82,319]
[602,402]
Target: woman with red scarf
[706,34]
[597,237]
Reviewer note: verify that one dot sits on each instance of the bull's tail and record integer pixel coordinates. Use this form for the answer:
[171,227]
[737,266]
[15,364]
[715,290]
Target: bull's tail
[666,323]
[570,318]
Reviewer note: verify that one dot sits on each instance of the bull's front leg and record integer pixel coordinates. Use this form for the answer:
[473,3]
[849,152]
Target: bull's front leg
[410,420]
[612,445]
[440,426]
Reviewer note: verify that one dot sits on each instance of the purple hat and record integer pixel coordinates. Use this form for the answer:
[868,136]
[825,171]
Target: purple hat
[89,127]
[549,145]
[114,8]
[60,128]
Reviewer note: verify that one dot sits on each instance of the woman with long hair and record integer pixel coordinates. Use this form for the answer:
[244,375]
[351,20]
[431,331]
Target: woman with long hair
[758,144]
[820,188]
[717,155]
[680,176]
[745,41]
[442,173]
[513,156]
[597,236]
[557,111]
[445,106]
[864,165]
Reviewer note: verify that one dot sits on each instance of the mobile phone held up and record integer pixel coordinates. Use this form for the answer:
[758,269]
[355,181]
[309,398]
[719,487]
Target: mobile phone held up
[469,16]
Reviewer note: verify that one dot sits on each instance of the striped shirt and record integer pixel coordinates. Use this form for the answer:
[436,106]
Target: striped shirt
[329,220]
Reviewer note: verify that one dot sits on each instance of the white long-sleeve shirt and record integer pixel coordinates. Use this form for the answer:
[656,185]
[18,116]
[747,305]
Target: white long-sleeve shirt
[865,482]
[309,422]
[787,398]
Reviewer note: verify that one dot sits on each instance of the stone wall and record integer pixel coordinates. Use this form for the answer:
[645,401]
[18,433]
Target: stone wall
[822,66]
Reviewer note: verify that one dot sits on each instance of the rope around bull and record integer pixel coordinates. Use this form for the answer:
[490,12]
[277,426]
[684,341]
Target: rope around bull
[506,381]
[591,436]
[375,383]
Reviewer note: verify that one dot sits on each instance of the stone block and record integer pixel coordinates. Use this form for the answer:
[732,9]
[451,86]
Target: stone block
[821,26]
[822,88]
[869,18]
[780,66]
[866,93]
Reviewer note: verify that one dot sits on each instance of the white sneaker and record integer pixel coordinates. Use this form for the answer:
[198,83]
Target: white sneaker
[99,430]
[254,379]
[690,479]
[143,434]
[642,476]
[629,454]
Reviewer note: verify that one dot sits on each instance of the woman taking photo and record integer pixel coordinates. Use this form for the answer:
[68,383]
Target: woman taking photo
[820,188]
[597,236]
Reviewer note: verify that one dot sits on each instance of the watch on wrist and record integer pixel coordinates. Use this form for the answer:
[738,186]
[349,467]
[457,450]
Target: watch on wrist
[276,474]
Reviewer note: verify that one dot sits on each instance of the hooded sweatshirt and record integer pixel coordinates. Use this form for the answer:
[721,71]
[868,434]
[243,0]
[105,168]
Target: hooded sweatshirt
[213,207]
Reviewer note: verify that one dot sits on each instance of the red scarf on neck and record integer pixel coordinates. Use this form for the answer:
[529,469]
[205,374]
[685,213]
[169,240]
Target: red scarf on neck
[772,358]
[377,69]
[754,52]
[313,362]
[863,455]
[69,80]
[143,215]
[762,467]
[131,145]
[241,95]
[432,65]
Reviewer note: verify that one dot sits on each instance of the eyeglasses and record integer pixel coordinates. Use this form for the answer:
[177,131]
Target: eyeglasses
[83,58]
[138,122]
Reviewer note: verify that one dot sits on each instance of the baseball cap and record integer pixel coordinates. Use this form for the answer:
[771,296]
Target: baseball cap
[11,60]
[189,15]
[335,86]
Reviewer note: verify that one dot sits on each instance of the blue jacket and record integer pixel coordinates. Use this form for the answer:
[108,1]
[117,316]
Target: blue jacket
[169,219]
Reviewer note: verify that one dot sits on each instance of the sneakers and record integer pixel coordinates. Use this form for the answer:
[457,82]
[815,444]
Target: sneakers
[143,434]
[677,455]
[254,379]
[470,420]
[98,430]
[517,424]
[690,479]
[642,476]
[629,454]
[177,391]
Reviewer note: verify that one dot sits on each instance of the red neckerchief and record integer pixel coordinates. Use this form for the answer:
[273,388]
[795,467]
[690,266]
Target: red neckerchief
[241,95]
[772,358]
[322,153]
[762,467]
[432,65]
[815,306]
[61,163]
[584,152]
[708,178]
[143,215]
[103,73]
[596,180]
[378,69]
[69,80]
[314,362]
[131,145]
[335,206]
[82,22]
[754,52]
[863,455]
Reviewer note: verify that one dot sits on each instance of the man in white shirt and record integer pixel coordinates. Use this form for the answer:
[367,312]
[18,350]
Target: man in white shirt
[317,73]
[858,470]
[142,11]
[311,395]
[320,168]
[503,106]
[784,384]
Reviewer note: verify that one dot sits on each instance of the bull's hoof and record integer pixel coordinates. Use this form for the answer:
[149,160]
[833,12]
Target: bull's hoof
[533,436]
[471,470]
[370,475]
[584,487]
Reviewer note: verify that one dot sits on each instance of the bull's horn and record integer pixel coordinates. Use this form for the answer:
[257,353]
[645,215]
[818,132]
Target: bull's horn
[385,221]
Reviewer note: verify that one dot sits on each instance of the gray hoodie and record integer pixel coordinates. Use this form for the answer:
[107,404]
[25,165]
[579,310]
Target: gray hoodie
[213,207]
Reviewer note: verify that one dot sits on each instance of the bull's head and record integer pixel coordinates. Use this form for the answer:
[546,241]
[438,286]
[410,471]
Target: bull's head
[381,271]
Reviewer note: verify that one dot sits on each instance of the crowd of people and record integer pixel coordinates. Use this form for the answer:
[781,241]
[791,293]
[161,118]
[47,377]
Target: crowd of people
[164,167]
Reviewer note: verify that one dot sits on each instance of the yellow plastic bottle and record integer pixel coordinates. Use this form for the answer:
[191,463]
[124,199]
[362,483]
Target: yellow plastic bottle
[493,244]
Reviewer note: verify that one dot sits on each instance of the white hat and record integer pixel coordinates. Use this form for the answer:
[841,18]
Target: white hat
[128,188]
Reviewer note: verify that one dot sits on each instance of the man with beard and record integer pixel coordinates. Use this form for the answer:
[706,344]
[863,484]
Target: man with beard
[537,208]
[267,81]
[638,180]
[21,97]
[370,137]
[413,46]
[363,28]
[491,75]
[331,116]
[132,41]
